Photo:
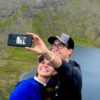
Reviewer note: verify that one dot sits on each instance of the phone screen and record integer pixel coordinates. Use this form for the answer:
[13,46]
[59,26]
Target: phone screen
[20,40]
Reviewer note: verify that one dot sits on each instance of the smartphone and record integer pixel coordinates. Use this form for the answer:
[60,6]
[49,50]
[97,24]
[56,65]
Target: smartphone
[20,40]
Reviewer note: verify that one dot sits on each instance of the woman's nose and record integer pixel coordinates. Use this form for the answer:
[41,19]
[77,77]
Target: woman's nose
[46,64]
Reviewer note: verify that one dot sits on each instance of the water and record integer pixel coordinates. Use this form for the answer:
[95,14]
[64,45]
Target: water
[89,59]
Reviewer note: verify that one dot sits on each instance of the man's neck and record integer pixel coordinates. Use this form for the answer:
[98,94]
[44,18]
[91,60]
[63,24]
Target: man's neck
[67,60]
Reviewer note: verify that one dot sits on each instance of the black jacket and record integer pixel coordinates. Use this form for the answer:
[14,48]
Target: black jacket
[68,82]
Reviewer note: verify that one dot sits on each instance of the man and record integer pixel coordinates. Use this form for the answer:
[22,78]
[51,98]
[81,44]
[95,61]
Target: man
[69,74]
[69,86]
[34,87]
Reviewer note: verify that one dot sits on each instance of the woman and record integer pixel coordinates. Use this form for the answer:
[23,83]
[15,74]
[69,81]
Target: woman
[33,88]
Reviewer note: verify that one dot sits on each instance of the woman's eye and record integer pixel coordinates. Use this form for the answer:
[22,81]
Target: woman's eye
[49,64]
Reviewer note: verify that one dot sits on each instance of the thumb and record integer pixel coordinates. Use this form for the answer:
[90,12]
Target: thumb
[30,49]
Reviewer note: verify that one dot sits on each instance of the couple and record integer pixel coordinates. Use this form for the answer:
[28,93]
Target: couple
[54,70]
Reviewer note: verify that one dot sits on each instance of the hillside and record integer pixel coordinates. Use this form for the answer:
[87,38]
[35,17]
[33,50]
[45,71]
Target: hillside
[79,18]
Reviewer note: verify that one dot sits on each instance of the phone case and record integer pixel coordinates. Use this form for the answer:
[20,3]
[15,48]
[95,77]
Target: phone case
[20,40]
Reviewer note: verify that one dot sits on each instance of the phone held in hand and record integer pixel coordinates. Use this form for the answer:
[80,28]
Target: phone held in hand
[20,40]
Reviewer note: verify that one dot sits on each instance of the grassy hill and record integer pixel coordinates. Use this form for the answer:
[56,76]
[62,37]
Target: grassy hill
[78,18]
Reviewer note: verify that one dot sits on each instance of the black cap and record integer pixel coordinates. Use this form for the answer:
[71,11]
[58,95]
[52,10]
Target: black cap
[63,38]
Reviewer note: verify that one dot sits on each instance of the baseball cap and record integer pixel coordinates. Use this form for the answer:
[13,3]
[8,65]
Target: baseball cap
[63,38]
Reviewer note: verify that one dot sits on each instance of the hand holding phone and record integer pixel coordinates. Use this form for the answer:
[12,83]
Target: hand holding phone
[20,40]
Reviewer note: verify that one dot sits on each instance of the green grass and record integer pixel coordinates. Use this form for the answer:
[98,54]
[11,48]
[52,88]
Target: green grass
[20,60]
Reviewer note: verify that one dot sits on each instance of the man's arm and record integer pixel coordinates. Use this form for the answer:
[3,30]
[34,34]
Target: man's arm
[42,49]
[72,71]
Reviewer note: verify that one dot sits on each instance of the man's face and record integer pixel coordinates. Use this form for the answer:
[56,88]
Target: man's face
[45,69]
[61,50]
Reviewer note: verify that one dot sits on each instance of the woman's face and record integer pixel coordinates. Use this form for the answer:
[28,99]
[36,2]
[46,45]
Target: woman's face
[45,69]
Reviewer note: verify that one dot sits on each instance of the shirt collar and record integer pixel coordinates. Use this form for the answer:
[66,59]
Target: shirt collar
[44,84]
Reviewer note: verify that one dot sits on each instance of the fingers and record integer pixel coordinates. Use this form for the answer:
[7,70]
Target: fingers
[30,49]
[35,37]
[39,45]
[33,34]
[29,33]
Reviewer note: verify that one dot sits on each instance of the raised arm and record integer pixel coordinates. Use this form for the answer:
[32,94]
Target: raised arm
[41,48]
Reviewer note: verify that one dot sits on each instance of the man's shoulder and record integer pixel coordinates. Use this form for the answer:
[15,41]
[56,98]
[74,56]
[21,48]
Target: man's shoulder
[74,63]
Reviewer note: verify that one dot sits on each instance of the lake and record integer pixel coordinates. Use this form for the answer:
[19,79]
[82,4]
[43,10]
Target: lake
[89,59]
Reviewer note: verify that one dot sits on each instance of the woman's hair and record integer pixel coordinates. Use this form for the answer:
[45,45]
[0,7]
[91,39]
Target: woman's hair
[40,58]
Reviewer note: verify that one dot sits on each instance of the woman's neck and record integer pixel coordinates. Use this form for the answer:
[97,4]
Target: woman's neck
[42,80]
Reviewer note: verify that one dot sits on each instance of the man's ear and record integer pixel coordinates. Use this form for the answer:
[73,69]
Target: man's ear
[70,51]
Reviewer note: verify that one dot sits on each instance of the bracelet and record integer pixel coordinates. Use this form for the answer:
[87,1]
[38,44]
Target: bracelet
[52,57]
